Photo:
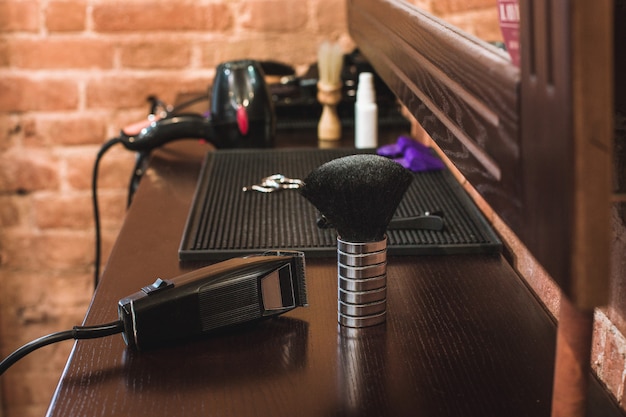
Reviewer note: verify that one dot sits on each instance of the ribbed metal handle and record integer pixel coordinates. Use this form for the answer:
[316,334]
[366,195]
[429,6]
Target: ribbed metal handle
[362,283]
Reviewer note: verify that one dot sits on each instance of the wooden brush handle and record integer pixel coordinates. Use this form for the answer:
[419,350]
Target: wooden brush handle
[329,127]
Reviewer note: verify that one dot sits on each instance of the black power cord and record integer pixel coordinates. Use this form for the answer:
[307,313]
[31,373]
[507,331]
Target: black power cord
[103,330]
[77,333]
[140,166]
[191,101]
[96,212]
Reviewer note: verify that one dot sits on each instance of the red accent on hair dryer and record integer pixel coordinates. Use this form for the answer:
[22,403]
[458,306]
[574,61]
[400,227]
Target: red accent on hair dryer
[242,120]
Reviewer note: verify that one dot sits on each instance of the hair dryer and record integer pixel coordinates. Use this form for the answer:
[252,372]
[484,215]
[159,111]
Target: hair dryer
[241,114]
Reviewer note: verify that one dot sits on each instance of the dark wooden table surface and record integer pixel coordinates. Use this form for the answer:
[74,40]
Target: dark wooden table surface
[464,337]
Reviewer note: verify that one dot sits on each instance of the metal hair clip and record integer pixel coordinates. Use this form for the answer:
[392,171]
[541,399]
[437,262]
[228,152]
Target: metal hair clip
[275,182]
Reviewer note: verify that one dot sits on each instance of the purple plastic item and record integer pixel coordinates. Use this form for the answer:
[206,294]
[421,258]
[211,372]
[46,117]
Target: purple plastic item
[412,155]
[418,161]
[396,149]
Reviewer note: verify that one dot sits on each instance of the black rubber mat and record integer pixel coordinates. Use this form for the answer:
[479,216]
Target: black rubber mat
[224,221]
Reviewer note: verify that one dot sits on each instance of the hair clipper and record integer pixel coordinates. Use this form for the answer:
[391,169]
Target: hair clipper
[231,292]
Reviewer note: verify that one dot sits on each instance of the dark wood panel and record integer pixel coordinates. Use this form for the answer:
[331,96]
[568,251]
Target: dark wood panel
[535,143]
[618,271]
[463,93]
[567,133]
[546,109]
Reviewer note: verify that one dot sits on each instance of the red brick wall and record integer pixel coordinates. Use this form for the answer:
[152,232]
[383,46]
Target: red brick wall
[72,72]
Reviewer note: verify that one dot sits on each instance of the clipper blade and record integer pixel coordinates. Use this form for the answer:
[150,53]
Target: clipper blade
[299,264]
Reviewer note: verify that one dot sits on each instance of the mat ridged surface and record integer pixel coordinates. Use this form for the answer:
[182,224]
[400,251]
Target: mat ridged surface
[224,221]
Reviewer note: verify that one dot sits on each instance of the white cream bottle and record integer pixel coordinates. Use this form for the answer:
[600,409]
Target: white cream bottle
[365,113]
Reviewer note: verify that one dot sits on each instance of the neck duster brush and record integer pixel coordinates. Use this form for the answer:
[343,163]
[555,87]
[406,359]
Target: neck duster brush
[358,195]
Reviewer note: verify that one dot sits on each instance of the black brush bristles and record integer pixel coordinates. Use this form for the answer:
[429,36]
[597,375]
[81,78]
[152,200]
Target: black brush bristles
[358,194]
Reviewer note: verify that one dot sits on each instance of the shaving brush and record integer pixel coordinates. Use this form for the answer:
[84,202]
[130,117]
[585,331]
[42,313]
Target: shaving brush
[329,61]
[358,195]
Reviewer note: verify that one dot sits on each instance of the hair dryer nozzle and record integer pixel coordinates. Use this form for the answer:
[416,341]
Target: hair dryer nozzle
[228,293]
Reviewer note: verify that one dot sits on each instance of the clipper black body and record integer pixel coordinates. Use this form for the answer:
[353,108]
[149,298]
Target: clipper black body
[235,291]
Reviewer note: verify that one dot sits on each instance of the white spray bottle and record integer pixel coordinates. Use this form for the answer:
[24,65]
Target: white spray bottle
[365,113]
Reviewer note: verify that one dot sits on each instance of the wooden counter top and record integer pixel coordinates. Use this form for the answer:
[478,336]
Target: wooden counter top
[464,337]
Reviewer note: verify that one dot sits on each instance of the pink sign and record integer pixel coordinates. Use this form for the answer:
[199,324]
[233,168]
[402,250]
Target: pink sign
[508,14]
